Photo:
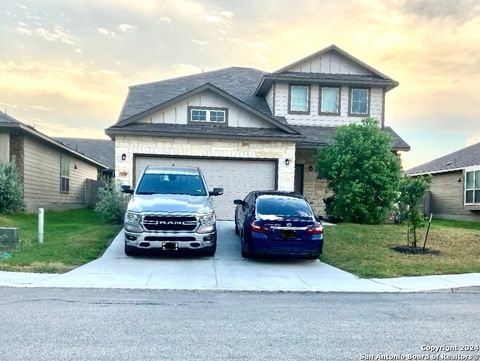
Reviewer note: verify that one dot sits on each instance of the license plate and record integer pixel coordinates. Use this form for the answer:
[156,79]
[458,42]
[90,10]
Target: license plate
[288,234]
[170,246]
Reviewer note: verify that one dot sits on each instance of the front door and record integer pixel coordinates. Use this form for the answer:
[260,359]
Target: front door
[299,178]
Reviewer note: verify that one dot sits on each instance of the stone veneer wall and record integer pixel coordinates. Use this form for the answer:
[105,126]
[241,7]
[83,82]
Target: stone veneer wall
[314,190]
[146,145]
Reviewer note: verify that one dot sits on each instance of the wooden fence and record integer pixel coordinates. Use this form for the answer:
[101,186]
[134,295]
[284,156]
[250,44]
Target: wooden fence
[91,192]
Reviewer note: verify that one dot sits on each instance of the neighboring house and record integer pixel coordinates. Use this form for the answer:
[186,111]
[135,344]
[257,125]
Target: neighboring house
[455,189]
[247,129]
[52,174]
[101,150]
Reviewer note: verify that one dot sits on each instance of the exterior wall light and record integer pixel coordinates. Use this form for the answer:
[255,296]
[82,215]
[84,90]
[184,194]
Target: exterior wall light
[310,168]
[287,161]
[124,156]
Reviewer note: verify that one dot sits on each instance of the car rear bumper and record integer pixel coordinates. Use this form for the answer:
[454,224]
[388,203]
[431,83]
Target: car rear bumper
[259,244]
[170,241]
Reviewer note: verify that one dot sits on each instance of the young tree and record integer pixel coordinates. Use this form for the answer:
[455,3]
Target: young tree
[362,172]
[412,191]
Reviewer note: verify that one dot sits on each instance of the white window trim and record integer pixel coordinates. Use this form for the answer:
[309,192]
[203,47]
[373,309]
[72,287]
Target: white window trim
[208,111]
[469,169]
[66,161]
[351,101]
[292,86]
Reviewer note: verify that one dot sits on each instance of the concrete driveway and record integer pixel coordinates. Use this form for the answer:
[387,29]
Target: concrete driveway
[226,271]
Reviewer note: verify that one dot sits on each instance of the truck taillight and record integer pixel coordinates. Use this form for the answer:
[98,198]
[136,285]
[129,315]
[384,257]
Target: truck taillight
[255,227]
[315,229]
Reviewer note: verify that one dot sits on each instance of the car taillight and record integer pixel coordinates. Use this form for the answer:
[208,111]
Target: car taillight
[255,227]
[315,229]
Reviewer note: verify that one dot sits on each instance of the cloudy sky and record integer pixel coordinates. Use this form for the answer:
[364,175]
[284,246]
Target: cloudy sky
[65,66]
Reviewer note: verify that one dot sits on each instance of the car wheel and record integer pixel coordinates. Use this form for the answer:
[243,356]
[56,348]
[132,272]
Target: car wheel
[314,256]
[129,250]
[245,253]
[237,232]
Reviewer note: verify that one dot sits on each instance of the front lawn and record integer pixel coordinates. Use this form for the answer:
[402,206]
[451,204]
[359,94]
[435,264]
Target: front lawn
[365,250]
[71,238]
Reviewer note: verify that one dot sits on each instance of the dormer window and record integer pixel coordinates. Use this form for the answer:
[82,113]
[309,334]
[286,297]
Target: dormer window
[299,99]
[207,115]
[359,101]
[330,100]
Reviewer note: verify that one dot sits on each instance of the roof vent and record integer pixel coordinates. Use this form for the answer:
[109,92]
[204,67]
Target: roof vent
[447,164]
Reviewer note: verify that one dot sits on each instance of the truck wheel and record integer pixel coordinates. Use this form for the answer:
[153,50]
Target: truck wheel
[129,251]
[210,251]
[237,232]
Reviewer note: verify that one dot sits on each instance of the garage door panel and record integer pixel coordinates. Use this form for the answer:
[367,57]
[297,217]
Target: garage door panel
[237,177]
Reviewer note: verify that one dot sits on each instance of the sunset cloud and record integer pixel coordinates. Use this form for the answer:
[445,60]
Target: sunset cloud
[78,59]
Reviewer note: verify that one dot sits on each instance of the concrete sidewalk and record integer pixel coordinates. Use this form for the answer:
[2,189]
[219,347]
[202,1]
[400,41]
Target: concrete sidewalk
[226,271]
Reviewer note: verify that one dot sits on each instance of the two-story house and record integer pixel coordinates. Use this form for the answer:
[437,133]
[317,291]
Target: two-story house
[247,129]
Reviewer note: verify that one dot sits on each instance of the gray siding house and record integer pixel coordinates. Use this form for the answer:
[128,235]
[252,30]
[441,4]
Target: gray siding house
[455,189]
[248,129]
[53,175]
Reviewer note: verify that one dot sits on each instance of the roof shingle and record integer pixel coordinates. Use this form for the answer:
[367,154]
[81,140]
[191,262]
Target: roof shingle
[466,157]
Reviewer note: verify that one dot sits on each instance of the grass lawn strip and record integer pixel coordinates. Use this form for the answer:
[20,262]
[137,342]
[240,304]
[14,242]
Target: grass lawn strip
[365,250]
[71,238]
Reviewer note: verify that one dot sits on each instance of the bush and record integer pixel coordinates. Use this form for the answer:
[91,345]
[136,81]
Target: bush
[362,172]
[112,203]
[11,194]
[412,191]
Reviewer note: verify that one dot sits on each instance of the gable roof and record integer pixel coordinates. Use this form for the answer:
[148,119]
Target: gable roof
[10,123]
[236,81]
[200,89]
[463,158]
[334,48]
[102,150]
[376,78]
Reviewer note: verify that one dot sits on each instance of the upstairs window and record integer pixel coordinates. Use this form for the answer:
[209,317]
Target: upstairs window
[472,187]
[299,99]
[64,174]
[330,100]
[206,115]
[359,99]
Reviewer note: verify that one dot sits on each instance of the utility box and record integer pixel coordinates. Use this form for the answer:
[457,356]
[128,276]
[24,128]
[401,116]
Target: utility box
[8,236]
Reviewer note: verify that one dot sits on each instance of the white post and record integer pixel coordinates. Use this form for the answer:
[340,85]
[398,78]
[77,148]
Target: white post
[40,224]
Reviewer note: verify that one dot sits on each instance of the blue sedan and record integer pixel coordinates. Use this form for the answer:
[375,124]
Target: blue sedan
[279,224]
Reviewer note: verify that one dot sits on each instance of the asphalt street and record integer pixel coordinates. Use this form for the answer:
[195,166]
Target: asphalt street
[114,324]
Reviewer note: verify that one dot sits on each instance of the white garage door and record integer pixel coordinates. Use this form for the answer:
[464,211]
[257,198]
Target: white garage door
[236,177]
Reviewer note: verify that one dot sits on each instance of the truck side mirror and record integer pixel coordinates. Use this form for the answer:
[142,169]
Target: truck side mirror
[216,192]
[238,202]
[126,189]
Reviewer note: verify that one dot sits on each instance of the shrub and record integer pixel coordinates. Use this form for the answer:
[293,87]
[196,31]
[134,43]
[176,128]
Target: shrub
[362,172]
[11,194]
[112,203]
[412,191]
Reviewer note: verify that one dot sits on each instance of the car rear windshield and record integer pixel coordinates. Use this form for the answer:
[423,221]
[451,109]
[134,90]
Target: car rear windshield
[283,207]
[166,183]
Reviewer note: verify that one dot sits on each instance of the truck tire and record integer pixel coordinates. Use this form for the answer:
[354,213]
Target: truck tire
[210,251]
[129,250]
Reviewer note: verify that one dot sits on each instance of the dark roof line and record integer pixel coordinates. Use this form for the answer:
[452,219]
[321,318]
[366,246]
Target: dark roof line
[13,123]
[460,159]
[197,90]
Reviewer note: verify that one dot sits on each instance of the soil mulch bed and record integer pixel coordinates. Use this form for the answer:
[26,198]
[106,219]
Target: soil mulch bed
[416,250]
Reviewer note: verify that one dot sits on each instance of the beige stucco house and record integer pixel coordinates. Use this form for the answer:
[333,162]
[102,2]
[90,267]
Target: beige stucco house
[247,129]
[53,175]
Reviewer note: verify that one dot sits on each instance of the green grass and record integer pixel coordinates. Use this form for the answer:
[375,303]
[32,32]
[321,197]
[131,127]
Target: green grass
[365,250]
[71,238]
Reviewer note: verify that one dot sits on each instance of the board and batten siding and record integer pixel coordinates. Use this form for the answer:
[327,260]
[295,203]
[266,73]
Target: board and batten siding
[281,107]
[330,63]
[447,198]
[178,113]
[42,177]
